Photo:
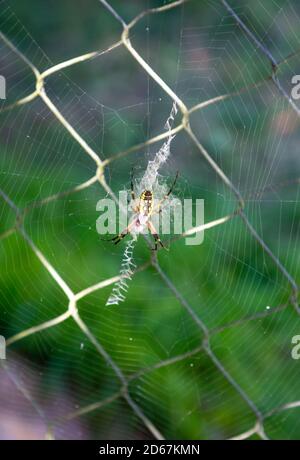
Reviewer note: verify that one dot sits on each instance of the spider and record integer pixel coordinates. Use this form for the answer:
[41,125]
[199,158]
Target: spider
[143,212]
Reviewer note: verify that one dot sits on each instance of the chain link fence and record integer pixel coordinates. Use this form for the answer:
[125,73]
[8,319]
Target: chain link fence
[98,177]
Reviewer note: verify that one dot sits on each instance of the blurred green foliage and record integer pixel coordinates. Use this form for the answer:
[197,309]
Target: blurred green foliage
[199,50]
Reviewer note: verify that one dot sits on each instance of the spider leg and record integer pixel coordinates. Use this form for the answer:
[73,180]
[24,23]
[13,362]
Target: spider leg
[116,239]
[131,185]
[155,236]
[167,194]
[119,237]
[173,185]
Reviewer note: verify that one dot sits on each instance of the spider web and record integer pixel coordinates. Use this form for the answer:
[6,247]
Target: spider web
[201,348]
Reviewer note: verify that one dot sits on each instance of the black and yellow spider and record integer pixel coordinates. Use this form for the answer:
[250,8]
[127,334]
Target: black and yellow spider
[143,212]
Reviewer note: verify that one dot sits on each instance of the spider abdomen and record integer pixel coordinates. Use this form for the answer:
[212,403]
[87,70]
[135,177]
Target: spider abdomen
[146,203]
